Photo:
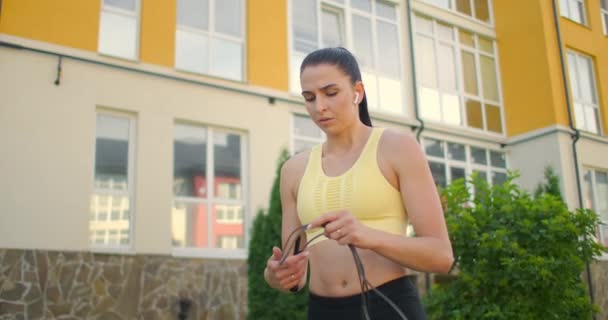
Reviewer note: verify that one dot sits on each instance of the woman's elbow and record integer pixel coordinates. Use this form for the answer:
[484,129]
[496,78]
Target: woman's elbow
[444,261]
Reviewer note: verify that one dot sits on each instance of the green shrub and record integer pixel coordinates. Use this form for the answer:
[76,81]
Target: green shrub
[517,256]
[551,184]
[263,301]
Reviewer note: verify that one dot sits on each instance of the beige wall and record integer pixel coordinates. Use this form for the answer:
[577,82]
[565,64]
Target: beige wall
[47,134]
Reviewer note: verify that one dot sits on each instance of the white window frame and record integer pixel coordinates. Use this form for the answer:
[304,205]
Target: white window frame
[604,14]
[452,8]
[466,164]
[461,91]
[210,34]
[295,136]
[130,193]
[584,124]
[347,12]
[136,15]
[211,200]
[592,172]
[566,10]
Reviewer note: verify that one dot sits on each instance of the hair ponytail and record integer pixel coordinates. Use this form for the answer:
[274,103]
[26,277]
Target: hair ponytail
[364,113]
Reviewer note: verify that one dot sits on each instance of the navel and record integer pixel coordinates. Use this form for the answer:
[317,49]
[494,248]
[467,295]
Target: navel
[344,283]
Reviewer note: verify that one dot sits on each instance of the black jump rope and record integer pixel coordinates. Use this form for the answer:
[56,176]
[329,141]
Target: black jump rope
[366,287]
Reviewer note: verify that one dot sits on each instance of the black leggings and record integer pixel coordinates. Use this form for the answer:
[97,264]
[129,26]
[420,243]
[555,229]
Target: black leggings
[401,291]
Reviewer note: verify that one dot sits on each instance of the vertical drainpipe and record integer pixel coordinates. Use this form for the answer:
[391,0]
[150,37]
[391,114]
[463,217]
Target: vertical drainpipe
[576,136]
[408,10]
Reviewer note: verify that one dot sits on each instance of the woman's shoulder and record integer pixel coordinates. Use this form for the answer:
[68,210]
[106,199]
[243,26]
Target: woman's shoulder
[294,166]
[398,140]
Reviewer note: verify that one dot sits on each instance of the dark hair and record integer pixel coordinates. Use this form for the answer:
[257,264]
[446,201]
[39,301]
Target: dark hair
[346,62]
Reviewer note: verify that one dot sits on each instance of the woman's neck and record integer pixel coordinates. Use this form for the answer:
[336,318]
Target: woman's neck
[351,138]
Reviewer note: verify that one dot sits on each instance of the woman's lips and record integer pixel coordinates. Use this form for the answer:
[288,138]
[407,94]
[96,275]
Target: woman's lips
[325,120]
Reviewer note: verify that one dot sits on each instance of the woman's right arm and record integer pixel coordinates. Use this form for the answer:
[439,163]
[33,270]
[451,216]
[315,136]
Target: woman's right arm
[293,271]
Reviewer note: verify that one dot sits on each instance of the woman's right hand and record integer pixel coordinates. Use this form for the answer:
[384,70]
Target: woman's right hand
[287,275]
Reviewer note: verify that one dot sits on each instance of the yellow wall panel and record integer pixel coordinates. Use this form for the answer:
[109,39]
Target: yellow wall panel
[158,18]
[72,23]
[526,77]
[267,43]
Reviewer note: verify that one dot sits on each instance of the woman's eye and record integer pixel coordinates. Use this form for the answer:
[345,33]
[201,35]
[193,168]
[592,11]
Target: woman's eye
[331,94]
[309,99]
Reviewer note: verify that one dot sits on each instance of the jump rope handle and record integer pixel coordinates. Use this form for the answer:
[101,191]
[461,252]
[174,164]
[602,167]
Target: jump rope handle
[296,250]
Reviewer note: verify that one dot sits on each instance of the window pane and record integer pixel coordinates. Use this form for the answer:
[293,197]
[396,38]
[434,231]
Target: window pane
[488,76]
[479,155]
[481,174]
[108,215]
[363,41]
[386,10]
[190,162]
[438,172]
[122,4]
[572,74]
[304,14]
[112,152]
[451,109]
[390,94]
[229,226]
[227,161]
[586,81]
[364,5]
[371,89]
[229,17]
[456,151]
[433,147]
[604,233]
[304,126]
[226,59]
[429,104]
[388,40]
[466,38]
[464,6]
[447,65]
[497,159]
[498,178]
[493,120]
[579,116]
[601,181]
[474,116]
[588,190]
[591,119]
[332,28]
[118,35]
[189,224]
[193,13]
[424,25]
[425,61]
[441,3]
[486,45]
[445,32]
[469,73]
[457,173]
[191,52]
[482,12]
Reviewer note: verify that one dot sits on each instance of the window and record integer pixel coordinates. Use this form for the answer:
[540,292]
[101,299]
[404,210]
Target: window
[573,10]
[450,161]
[477,9]
[119,28]
[457,76]
[208,188]
[584,93]
[367,28]
[306,134]
[596,198]
[604,13]
[113,188]
[209,37]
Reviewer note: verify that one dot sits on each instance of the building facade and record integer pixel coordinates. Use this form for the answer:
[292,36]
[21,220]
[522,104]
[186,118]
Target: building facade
[150,129]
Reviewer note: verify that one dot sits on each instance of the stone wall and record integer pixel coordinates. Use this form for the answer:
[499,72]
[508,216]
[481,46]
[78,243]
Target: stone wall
[599,276]
[38,284]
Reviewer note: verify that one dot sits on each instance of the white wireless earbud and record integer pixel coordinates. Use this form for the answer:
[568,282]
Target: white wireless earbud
[356,97]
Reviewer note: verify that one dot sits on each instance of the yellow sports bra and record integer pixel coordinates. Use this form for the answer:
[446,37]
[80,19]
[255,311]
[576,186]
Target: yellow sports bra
[363,190]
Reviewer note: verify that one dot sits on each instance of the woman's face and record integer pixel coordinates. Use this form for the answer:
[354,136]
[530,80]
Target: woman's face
[329,96]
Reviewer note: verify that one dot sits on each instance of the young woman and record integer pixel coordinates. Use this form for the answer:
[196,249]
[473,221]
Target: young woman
[360,188]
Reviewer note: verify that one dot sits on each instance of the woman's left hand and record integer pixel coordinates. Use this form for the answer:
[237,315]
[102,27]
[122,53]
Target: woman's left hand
[343,227]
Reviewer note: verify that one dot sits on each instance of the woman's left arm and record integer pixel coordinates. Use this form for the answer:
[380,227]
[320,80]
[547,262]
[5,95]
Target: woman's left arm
[430,250]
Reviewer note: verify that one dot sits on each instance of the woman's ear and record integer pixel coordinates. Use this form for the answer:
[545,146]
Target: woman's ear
[359,92]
